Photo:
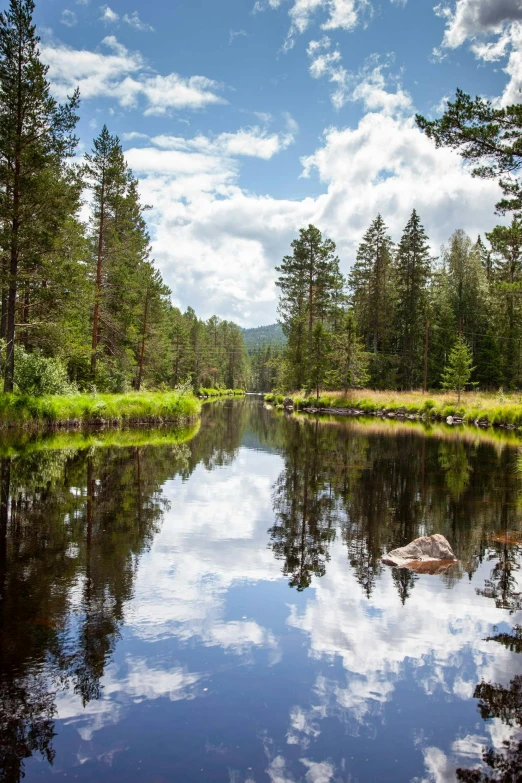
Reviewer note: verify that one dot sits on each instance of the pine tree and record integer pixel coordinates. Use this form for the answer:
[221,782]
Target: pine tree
[318,357]
[372,287]
[412,274]
[311,290]
[458,370]
[36,138]
[348,355]
[506,244]
[106,173]
[467,284]
[485,258]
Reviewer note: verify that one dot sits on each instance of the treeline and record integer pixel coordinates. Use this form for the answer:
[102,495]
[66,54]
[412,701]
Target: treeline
[84,297]
[402,318]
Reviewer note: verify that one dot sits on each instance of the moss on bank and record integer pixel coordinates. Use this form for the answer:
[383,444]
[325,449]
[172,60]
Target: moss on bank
[486,409]
[94,409]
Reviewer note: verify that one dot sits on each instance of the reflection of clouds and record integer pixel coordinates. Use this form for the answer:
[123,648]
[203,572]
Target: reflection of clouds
[213,538]
[438,637]
[465,752]
[433,631]
[317,772]
[123,685]
[302,726]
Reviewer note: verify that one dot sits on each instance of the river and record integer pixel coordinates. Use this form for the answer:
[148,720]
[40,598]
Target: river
[212,606]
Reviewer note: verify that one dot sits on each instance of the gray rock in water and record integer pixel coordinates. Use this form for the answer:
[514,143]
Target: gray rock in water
[288,403]
[428,549]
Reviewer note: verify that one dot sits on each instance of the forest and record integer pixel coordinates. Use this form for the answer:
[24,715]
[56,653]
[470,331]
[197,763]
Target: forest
[402,319]
[83,306]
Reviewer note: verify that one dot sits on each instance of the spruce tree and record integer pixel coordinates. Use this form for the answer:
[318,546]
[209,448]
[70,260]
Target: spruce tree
[36,138]
[412,274]
[348,355]
[458,370]
[372,287]
[506,245]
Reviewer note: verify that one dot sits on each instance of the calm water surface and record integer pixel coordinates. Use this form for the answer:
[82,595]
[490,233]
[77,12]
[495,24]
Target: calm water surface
[216,609]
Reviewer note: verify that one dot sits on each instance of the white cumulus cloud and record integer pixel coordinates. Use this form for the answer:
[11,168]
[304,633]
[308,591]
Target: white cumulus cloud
[116,72]
[493,29]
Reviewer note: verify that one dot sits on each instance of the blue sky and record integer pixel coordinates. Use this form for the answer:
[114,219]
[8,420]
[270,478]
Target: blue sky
[247,119]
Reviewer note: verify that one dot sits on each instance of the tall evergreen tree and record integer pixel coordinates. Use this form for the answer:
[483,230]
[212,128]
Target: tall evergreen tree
[311,290]
[348,355]
[106,173]
[506,245]
[371,282]
[412,274]
[36,138]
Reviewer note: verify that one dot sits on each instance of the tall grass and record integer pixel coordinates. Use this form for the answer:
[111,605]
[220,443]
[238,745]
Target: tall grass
[115,409]
[495,409]
[201,392]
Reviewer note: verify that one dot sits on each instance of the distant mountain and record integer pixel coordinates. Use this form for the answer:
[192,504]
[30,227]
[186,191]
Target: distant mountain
[263,336]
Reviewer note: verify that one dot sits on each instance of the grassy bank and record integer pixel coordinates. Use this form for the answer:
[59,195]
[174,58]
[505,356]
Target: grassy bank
[84,409]
[201,392]
[475,407]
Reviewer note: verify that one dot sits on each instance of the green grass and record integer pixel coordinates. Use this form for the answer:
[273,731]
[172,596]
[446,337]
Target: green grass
[23,443]
[201,392]
[438,406]
[116,409]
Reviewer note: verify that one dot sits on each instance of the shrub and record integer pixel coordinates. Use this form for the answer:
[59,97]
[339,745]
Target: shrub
[37,375]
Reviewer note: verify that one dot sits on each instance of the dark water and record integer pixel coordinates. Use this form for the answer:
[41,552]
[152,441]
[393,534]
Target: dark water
[216,610]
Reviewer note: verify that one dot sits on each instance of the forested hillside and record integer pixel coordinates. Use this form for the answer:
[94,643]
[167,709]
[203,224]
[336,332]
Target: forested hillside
[82,304]
[263,336]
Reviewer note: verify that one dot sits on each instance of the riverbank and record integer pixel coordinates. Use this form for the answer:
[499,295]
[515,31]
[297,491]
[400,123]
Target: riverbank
[477,408]
[79,410]
[205,393]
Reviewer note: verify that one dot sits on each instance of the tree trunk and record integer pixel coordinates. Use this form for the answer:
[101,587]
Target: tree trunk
[15,228]
[5,484]
[97,295]
[144,336]
[11,296]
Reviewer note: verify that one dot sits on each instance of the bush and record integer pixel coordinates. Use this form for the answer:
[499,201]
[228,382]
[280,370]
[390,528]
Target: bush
[37,375]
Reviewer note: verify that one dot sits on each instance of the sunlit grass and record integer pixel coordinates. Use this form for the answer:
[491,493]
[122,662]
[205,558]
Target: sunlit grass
[116,409]
[497,408]
[202,392]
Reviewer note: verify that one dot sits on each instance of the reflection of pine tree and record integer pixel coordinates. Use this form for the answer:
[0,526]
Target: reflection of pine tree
[303,508]
[496,701]
[404,580]
[505,765]
[502,585]
[66,514]
[454,461]
[512,642]
[27,710]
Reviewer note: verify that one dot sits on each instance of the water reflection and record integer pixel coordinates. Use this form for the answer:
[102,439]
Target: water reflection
[215,607]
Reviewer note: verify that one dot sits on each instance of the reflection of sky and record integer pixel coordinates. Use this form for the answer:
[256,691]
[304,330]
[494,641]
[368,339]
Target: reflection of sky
[223,673]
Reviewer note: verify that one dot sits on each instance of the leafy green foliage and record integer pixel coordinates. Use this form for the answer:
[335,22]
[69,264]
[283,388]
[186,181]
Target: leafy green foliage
[37,375]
